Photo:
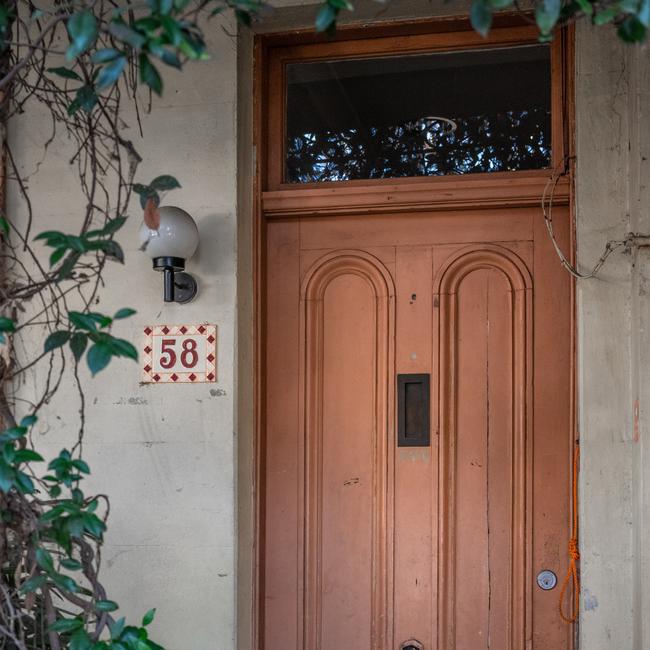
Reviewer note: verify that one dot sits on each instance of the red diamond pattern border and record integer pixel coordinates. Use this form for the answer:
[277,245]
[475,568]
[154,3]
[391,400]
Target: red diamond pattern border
[149,376]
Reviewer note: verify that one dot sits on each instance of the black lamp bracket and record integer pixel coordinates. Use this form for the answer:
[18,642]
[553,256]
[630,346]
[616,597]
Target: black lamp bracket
[179,286]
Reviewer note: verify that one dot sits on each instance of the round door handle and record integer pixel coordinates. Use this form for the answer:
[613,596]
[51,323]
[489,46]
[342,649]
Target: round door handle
[411,644]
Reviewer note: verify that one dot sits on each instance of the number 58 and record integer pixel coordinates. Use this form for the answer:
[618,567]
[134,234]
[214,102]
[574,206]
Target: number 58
[189,356]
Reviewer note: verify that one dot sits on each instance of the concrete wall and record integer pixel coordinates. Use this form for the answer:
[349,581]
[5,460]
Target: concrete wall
[164,454]
[613,198]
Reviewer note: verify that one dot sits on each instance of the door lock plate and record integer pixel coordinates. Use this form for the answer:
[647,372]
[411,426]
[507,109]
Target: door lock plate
[546,580]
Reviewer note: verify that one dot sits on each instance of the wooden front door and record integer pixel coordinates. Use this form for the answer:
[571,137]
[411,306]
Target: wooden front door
[416,429]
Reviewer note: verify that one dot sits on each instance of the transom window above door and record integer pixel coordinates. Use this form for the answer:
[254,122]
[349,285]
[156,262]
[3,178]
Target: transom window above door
[414,115]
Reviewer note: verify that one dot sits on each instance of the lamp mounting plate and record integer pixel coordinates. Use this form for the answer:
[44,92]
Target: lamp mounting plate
[185,287]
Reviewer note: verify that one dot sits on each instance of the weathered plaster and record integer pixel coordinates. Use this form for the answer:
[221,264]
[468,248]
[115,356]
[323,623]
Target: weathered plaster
[164,454]
[612,147]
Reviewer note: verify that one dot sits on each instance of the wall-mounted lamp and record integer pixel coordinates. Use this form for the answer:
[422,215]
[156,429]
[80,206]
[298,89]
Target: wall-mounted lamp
[175,241]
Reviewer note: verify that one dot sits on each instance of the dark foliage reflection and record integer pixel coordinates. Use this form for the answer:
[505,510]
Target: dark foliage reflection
[515,140]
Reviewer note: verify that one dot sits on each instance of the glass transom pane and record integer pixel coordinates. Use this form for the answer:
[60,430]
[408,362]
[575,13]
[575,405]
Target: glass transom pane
[419,115]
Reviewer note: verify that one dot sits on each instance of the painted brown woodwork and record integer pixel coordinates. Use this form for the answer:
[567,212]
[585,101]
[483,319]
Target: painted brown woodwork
[365,544]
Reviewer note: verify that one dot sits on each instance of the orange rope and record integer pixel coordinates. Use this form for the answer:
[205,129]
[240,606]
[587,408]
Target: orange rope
[574,555]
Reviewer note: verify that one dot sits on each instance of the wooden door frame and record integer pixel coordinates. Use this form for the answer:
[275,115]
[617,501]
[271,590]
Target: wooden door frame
[268,201]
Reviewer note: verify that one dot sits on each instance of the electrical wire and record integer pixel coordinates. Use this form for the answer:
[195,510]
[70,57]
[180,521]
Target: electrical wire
[610,247]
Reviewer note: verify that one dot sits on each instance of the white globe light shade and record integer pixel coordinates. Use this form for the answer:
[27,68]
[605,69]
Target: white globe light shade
[177,235]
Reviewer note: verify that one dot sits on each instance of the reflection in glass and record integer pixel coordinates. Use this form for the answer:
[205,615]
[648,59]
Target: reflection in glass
[421,115]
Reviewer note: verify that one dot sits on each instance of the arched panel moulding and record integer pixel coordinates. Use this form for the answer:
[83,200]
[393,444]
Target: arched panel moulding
[347,330]
[485,484]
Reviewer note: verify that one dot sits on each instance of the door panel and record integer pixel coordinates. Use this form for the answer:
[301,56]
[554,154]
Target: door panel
[484,293]
[348,336]
[367,544]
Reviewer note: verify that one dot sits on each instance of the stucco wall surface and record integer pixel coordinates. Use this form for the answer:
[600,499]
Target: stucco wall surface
[164,453]
[613,314]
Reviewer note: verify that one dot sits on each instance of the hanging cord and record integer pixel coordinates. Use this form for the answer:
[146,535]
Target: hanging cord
[549,191]
[574,554]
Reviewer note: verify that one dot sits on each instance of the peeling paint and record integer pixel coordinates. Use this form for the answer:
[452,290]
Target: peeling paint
[590,601]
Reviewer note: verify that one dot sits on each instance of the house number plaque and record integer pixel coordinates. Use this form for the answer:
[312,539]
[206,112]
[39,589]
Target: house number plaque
[177,354]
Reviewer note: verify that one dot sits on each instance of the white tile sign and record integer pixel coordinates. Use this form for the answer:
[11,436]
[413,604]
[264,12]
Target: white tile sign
[175,354]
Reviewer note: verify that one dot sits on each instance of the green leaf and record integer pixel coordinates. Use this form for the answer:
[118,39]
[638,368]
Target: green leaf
[111,73]
[113,249]
[83,321]
[81,465]
[605,16]
[125,312]
[65,582]
[32,584]
[172,30]
[85,98]
[326,17]
[52,237]
[44,560]
[4,225]
[105,55]
[75,526]
[161,6]
[66,73]
[27,456]
[9,452]
[66,625]
[148,617]
[78,344]
[114,225]
[93,524]
[24,483]
[122,348]
[99,356]
[7,475]
[547,14]
[28,421]
[243,17]
[13,434]
[56,340]
[644,13]
[82,28]
[57,255]
[65,270]
[80,641]
[166,55]
[481,17]
[122,32]
[70,564]
[106,606]
[101,319]
[149,75]
[632,30]
[117,628]
[164,183]
[6,325]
